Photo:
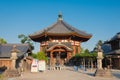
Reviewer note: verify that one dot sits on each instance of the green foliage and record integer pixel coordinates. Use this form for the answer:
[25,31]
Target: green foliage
[84,54]
[2,41]
[87,54]
[34,55]
[26,39]
[41,56]
[77,55]
[94,54]
[1,77]
[99,42]
[86,51]
[82,50]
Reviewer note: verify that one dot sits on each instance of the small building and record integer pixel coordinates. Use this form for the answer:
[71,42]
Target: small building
[23,50]
[60,41]
[114,53]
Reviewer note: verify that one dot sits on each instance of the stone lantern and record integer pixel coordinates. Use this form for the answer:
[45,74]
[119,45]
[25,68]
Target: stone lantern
[100,72]
[13,72]
[99,58]
[13,57]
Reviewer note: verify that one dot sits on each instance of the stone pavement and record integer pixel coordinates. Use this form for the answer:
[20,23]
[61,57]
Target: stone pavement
[67,74]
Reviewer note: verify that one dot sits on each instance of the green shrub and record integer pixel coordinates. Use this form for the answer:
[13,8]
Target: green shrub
[41,56]
[1,77]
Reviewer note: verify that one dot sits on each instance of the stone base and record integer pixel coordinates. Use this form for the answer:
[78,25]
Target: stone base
[11,73]
[103,73]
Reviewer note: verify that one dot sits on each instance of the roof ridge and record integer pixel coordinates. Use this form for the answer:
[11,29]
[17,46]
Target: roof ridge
[51,26]
[73,29]
[67,25]
[17,44]
[45,29]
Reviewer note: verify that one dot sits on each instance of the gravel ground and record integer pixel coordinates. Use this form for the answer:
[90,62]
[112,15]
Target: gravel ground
[67,74]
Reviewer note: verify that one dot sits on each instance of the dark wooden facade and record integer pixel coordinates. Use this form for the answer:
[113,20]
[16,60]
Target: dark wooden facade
[60,41]
[114,53]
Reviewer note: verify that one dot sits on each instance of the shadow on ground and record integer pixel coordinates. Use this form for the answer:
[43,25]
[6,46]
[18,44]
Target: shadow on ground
[90,74]
[117,75]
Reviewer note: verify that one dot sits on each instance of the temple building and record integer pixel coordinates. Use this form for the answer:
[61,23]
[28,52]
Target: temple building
[60,41]
[7,55]
[114,52]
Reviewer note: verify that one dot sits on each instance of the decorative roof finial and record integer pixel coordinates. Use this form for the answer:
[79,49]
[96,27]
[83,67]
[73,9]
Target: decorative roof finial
[60,16]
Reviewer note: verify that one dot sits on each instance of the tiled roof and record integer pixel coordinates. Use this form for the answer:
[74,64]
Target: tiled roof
[50,44]
[5,49]
[115,52]
[116,37]
[61,27]
[60,44]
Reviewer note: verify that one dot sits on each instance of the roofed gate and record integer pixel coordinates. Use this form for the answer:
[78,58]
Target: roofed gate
[59,54]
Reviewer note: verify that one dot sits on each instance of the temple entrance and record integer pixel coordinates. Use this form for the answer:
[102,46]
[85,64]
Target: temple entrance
[58,55]
[59,58]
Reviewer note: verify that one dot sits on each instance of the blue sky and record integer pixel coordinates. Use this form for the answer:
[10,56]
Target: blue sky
[101,18]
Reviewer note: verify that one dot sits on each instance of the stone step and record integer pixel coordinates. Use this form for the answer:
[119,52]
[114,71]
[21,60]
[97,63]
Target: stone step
[56,68]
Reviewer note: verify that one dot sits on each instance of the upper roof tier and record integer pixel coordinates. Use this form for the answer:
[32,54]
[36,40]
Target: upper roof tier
[114,38]
[60,28]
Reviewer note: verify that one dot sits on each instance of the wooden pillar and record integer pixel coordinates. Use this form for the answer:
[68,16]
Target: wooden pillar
[119,62]
[110,62]
[74,49]
[51,58]
[79,49]
[68,55]
[60,61]
[41,48]
[91,61]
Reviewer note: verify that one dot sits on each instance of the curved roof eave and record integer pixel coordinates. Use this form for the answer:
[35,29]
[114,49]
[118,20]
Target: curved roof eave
[39,38]
[68,49]
[58,34]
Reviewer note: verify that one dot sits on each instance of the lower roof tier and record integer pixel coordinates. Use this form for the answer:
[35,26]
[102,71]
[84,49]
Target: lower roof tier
[48,38]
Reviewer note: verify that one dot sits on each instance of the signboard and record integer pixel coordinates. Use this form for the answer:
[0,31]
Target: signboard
[34,66]
[41,65]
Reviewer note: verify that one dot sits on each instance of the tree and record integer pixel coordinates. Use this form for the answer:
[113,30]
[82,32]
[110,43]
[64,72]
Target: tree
[94,55]
[41,56]
[87,58]
[2,41]
[82,50]
[100,42]
[26,39]
[86,51]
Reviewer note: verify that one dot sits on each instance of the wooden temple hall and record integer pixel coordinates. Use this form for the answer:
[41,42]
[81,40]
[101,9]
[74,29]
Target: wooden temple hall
[60,41]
